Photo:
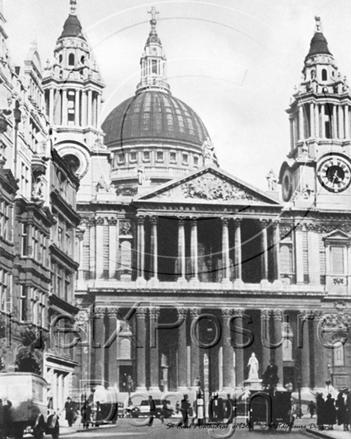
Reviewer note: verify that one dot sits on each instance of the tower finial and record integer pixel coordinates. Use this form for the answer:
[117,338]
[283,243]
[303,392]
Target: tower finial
[153,21]
[73,7]
[318,23]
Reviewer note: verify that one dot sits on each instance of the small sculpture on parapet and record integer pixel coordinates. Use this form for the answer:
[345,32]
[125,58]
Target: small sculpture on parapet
[272,180]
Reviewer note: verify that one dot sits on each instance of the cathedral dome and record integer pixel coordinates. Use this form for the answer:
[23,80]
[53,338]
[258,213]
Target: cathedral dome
[154,116]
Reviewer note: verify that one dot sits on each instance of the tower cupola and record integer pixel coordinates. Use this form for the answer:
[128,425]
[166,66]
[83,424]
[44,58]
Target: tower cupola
[153,60]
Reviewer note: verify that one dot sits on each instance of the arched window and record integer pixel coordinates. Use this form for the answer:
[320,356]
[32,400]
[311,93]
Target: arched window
[71,59]
[324,75]
[60,59]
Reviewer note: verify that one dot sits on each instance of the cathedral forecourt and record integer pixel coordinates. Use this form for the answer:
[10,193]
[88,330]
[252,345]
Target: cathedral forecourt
[167,232]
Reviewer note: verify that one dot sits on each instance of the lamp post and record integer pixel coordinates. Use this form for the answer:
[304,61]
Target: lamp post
[299,389]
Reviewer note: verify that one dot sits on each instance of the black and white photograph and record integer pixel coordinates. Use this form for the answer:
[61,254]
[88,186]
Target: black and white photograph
[175,219]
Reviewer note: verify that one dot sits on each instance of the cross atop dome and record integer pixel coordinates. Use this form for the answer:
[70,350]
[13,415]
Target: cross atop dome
[73,7]
[153,13]
[318,24]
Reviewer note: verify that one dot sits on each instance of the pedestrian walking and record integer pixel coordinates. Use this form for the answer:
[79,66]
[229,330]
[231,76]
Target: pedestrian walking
[330,412]
[70,411]
[311,408]
[320,408]
[347,425]
[185,406]
[86,414]
[152,408]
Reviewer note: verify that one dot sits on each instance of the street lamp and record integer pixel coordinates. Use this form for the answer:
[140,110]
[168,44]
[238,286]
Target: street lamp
[299,389]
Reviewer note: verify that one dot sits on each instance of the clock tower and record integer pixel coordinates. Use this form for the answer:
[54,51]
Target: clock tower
[317,172]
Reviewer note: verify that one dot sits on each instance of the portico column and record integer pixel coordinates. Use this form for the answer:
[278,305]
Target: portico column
[140,349]
[238,321]
[317,121]
[276,250]
[305,317]
[195,349]
[98,343]
[335,123]
[84,108]
[154,354]
[225,250]
[341,122]
[90,106]
[51,105]
[154,253]
[228,364]
[320,353]
[265,338]
[278,343]
[77,107]
[64,107]
[141,247]
[292,134]
[347,122]
[182,350]
[194,251]
[312,120]
[181,248]
[301,136]
[111,373]
[237,249]
[264,249]
[323,120]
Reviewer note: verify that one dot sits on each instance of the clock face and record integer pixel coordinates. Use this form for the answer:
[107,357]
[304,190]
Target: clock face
[287,185]
[334,174]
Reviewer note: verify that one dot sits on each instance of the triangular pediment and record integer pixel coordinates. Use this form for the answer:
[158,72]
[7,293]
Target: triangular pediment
[209,185]
[337,234]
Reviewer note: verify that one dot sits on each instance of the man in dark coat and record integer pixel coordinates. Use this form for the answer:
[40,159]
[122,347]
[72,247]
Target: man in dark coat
[152,408]
[330,412]
[185,406]
[270,376]
[340,408]
[70,410]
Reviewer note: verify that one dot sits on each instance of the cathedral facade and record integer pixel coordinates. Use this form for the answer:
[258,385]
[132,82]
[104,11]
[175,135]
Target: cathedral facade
[185,270]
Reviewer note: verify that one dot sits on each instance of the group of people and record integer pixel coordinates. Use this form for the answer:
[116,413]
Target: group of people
[331,411]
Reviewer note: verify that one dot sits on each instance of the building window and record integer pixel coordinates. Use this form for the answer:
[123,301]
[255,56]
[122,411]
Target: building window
[24,245]
[286,259]
[71,96]
[173,157]
[133,156]
[120,158]
[146,156]
[23,303]
[71,59]
[324,75]
[185,159]
[159,156]
[5,220]
[154,67]
[5,291]
[196,161]
[337,254]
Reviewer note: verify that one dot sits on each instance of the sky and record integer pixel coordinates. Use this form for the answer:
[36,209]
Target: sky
[235,62]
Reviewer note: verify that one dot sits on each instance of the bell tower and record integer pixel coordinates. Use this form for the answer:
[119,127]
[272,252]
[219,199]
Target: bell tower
[73,96]
[317,173]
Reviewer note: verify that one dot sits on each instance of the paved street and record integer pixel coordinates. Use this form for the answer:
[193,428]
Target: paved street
[126,429]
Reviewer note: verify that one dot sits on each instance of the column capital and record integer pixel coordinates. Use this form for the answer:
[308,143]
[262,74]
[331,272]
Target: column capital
[195,312]
[237,221]
[265,313]
[238,313]
[153,219]
[154,313]
[98,312]
[112,312]
[227,313]
[140,219]
[181,219]
[194,221]
[112,221]
[141,313]
[225,221]
[278,314]
[182,312]
[264,222]
[100,220]
[306,314]
[276,222]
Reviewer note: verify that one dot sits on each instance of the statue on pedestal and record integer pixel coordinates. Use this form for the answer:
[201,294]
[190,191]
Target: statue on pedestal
[253,364]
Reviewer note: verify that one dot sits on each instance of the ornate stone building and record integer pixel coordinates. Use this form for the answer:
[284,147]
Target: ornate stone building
[38,219]
[184,269]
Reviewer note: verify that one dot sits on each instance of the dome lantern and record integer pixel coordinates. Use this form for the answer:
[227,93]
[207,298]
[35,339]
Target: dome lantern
[153,60]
